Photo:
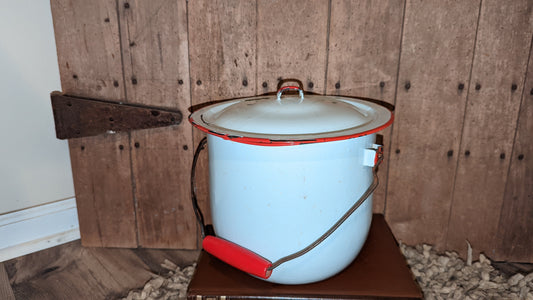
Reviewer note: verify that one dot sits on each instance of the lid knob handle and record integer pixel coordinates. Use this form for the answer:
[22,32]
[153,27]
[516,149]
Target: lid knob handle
[291,87]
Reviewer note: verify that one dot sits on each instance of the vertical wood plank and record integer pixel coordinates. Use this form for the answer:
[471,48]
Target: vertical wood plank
[102,180]
[502,48]
[156,68]
[514,240]
[222,54]
[364,47]
[222,49]
[88,47]
[292,43]
[437,50]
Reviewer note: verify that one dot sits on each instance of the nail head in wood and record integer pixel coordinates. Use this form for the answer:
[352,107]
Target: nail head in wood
[137,145]
[397,151]
[82,148]
[407,85]
[502,155]
[478,86]
[531,92]
[382,84]
[185,147]
[310,84]
[461,86]
[106,20]
[467,152]
[265,84]
[521,156]
[115,83]
[338,85]
[132,44]
[111,119]
[75,76]
[133,80]
[198,82]
[450,153]
[121,147]
[514,87]
[245,82]
[180,82]
[126,5]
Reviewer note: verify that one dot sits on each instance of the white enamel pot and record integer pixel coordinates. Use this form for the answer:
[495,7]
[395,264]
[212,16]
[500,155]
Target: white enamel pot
[291,179]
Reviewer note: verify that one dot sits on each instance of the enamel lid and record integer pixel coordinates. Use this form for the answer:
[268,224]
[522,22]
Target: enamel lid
[292,119]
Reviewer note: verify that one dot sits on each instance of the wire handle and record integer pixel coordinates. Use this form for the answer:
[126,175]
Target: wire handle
[197,210]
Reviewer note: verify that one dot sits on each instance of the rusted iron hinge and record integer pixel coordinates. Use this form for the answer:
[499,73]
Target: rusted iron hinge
[80,117]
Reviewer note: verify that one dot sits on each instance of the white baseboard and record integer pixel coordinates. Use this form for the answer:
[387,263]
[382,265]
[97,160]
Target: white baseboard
[37,228]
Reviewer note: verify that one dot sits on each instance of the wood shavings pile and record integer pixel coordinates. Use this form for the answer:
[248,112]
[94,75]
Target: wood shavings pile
[170,287]
[449,277]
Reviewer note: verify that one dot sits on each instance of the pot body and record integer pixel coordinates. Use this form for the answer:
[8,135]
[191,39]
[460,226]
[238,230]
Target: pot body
[276,200]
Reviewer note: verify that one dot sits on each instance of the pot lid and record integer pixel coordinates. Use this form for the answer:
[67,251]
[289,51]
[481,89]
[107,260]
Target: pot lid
[290,119]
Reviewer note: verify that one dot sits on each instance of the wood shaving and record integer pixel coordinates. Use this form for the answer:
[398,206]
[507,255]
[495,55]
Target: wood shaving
[447,276]
[173,286]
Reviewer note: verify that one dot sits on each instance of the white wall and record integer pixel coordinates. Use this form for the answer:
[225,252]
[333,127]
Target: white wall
[34,165]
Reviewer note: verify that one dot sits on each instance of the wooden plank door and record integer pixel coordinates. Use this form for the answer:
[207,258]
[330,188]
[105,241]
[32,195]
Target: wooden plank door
[363,58]
[436,57]
[86,33]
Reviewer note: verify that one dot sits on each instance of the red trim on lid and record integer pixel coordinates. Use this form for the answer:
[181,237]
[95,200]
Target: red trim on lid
[269,142]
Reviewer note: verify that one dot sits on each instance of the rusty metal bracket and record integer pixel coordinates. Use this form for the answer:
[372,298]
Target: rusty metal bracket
[80,117]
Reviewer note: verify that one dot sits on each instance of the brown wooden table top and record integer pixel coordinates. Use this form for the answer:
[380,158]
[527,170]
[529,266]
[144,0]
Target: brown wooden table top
[379,272]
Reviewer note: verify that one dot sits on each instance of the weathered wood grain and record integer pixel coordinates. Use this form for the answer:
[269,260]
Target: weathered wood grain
[222,37]
[437,49]
[222,54]
[88,47]
[104,198]
[70,271]
[514,241]
[6,292]
[502,50]
[156,68]
[291,43]
[364,48]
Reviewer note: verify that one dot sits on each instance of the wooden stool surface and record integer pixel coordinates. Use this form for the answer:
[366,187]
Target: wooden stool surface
[379,272]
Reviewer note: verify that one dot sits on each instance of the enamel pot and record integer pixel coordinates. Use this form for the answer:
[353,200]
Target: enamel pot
[291,178]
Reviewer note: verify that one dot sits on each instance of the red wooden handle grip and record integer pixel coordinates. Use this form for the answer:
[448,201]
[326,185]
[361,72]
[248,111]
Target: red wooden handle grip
[237,256]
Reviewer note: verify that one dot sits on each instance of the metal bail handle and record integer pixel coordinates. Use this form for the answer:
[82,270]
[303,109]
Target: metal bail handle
[249,261]
[290,87]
